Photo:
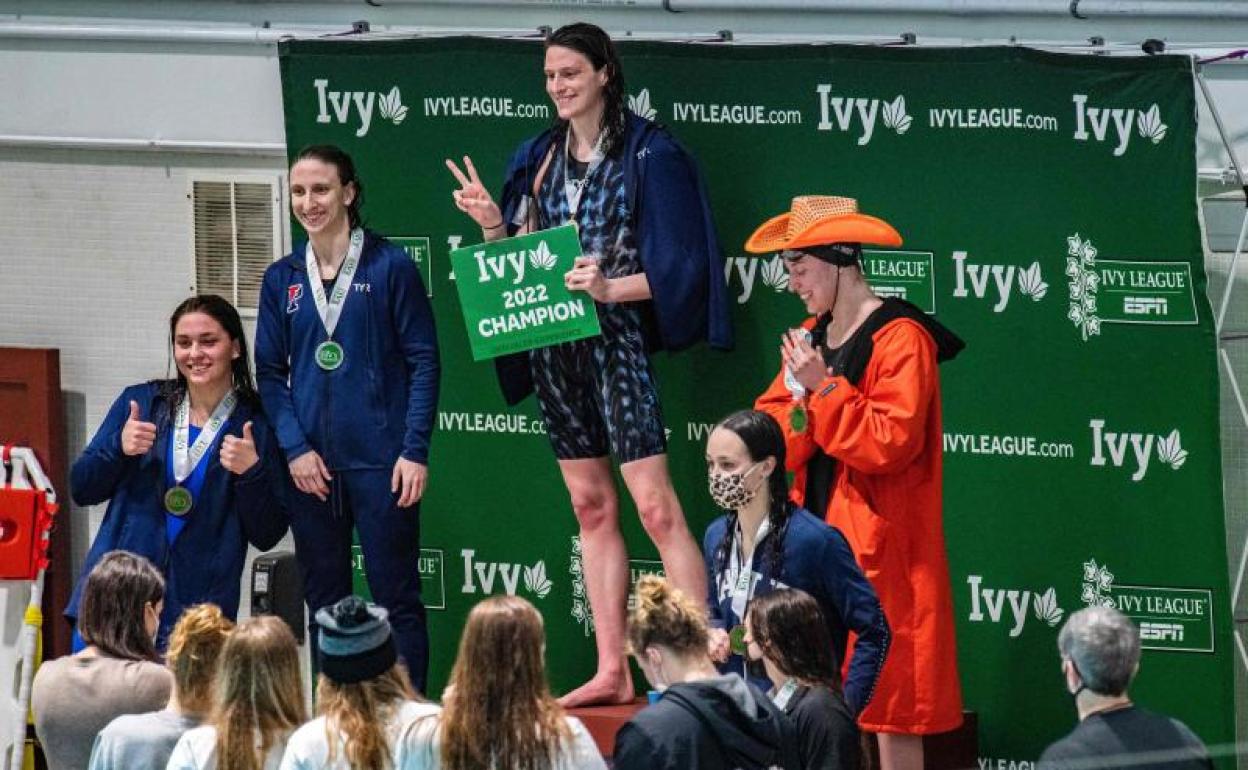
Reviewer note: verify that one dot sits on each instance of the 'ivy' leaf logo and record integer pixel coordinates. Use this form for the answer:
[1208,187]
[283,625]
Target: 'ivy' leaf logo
[535,580]
[640,105]
[1150,126]
[391,106]
[1170,450]
[1031,282]
[1046,608]
[542,257]
[775,274]
[895,116]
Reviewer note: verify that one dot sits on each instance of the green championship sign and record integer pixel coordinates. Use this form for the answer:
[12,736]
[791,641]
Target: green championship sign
[1082,461]
[513,297]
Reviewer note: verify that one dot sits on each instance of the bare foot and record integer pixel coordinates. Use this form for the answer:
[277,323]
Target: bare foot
[607,688]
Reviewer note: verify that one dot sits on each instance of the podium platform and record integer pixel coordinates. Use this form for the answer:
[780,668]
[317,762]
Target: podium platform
[603,722]
[956,750]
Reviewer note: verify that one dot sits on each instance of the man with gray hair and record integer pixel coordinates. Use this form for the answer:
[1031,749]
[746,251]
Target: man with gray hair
[1100,649]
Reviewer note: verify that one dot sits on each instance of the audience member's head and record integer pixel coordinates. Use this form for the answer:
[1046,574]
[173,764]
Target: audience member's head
[501,714]
[361,681]
[195,646]
[259,692]
[667,632]
[1100,649]
[121,604]
[786,629]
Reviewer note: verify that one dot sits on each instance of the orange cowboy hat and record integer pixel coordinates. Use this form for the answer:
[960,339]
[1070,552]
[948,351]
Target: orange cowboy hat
[820,220]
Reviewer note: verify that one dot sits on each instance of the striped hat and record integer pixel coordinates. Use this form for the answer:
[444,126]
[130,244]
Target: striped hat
[356,643]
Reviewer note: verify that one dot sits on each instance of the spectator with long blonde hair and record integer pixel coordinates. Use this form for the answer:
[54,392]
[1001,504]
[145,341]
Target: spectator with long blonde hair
[147,740]
[363,695]
[499,712]
[259,703]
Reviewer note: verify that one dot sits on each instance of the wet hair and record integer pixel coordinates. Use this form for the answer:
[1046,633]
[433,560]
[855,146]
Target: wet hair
[220,310]
[360,711]
[665,615]
[110,615]
[763,438]
[1104,646]
[340,160]
[259,692]
[595,44]
[194,650]
[789,627]
[502,715]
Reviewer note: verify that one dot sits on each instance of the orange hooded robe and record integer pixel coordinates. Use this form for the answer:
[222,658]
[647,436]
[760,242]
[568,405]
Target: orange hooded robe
[884,436]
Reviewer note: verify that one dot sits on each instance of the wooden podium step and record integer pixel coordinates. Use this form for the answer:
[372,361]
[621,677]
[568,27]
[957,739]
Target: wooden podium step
[954,750]
[603,722]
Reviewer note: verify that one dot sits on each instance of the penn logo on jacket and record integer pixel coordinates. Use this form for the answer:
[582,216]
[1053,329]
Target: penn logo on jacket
[294,293]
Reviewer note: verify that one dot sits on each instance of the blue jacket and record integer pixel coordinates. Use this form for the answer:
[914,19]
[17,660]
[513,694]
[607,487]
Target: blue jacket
[817,559]
[676,241]
[205,562]
[380,403]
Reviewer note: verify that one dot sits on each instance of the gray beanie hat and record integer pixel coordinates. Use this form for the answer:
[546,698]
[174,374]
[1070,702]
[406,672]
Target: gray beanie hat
[355,641]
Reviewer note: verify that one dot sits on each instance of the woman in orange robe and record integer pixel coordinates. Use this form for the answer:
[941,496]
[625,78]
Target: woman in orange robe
[858,396]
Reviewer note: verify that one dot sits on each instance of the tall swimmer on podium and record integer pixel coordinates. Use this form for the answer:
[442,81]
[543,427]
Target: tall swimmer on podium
[654,267]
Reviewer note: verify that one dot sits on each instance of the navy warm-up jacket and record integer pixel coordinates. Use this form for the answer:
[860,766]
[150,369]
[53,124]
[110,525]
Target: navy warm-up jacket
[382,401]
[205,562]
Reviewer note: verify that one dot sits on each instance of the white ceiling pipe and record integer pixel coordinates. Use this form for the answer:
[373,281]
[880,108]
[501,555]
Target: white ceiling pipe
[153,33]
[1084,9]
[1210,10]
[149,145]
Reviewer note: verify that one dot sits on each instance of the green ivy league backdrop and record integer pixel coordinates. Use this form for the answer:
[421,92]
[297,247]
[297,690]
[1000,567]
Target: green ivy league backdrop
[1048,206]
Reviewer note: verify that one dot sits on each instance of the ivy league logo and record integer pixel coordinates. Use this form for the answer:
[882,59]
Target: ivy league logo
[1176,619]
[851,114]
[1095,124]
[1122,291]
[337,106]
[1111,448]
[991,605]
[482,575]
[996,282]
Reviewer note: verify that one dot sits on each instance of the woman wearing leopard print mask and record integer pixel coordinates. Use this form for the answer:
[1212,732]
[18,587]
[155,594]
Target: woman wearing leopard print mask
[781,546]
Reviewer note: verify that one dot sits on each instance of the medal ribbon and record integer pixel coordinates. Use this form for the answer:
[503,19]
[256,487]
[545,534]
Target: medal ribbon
[186,458]
[743,590]
[574,189]
[330,310]
[785,693]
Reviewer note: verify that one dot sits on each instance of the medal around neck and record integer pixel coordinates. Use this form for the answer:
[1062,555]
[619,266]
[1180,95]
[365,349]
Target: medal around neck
[797,415]
[329,355]
[798,418]
[736,640]
[179,501]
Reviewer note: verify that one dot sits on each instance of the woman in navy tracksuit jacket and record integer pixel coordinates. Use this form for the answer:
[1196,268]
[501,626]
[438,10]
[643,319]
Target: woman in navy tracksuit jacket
[355,429]
[791,549]
[238,486]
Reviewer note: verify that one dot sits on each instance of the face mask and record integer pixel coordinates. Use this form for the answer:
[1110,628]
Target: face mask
[728,489]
